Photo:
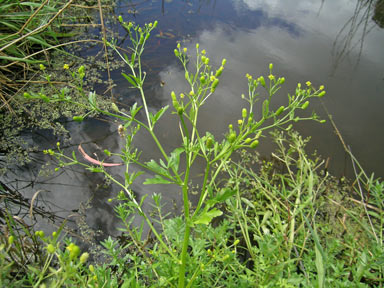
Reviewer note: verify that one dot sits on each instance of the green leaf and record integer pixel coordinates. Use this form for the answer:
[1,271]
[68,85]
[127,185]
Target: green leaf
[160,113]
[174,160]
[92,98]
[224,194]
[95,169]
[265,108]
[320,256]
[74,155]
[247,202]
[156,180]
[221,196]
[133,58]
[135,110]
[131,79]
[152,165]
[206,216]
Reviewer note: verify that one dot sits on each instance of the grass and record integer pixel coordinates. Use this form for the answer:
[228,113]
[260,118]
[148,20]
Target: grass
[26,28]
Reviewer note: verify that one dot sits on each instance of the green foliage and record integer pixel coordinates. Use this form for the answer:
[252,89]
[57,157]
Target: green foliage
[27,28]
[299,224]
[280,226]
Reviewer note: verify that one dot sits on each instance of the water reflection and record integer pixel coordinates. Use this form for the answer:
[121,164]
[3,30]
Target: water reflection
[314,40]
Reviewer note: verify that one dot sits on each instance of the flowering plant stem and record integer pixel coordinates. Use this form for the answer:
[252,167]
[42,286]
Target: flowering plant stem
[202,81]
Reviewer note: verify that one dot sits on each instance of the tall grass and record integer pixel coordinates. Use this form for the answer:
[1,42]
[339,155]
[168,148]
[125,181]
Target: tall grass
[27,28]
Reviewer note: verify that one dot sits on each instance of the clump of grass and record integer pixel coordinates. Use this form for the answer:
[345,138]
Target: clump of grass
[27,28]
[301,226]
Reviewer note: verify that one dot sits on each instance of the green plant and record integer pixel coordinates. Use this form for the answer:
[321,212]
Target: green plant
[300,225]
[27,28]
[202,80]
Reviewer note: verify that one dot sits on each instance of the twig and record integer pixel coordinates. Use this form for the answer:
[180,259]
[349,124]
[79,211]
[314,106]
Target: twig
[105,48]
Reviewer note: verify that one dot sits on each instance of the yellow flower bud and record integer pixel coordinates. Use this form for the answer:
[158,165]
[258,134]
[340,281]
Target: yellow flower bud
[74,252]
[244,113]
[214,85]
[321,94]
[84,257]
[240,122]
[231,137]
[305,105]
[51,249]
[279,111]
[209,142]
[219,71]
[261,81]
[254,144]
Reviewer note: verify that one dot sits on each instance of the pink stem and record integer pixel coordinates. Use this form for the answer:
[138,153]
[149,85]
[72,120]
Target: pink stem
[94,161]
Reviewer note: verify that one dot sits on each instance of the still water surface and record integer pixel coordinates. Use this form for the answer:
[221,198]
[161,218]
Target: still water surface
[335,43]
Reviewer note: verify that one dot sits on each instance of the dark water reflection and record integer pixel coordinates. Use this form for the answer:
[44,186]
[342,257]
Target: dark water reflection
[335,43]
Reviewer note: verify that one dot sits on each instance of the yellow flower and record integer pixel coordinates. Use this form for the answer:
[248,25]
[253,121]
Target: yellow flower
[321,87]
[239,121]
[42,67]
[66,67]
[308,83]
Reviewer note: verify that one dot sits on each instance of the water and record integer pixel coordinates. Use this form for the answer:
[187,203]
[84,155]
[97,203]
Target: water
[335,43]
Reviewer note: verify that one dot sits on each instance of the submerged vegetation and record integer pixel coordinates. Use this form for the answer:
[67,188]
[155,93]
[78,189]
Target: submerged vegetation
[277,222]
